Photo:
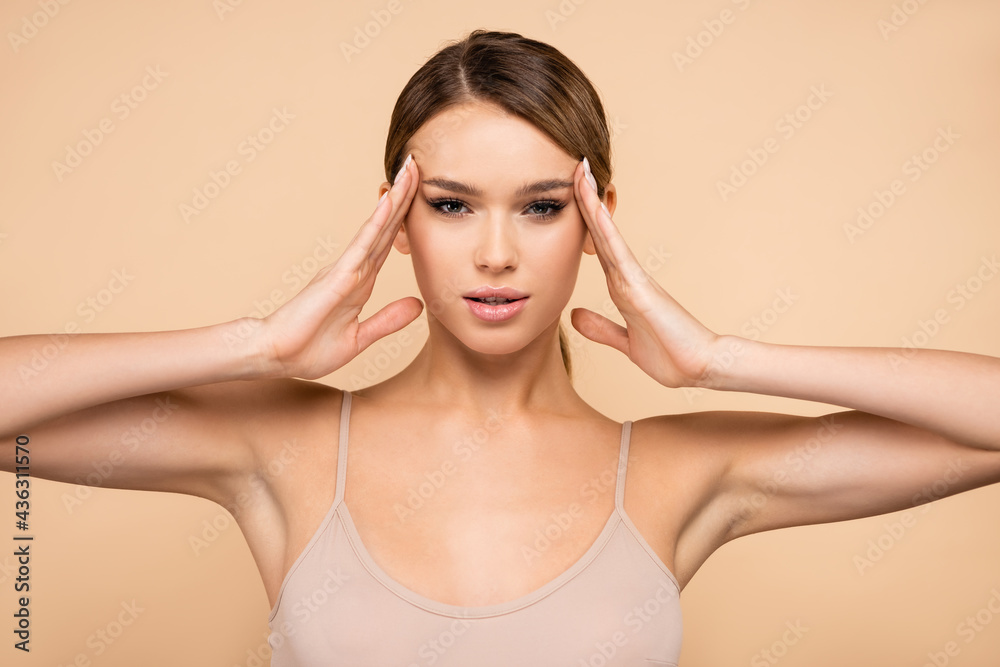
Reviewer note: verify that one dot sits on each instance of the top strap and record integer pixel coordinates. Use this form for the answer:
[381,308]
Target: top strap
[622,466]
[345,418]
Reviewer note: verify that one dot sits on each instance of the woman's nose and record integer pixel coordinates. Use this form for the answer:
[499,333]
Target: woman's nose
[497,246]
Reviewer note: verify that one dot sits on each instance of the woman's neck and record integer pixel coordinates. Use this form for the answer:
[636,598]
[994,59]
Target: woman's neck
[447,372]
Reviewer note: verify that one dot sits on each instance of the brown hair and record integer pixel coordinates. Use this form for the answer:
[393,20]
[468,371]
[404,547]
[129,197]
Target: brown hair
[522,76]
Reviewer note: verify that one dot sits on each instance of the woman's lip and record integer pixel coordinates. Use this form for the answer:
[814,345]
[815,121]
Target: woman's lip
[497,313]
[488,291]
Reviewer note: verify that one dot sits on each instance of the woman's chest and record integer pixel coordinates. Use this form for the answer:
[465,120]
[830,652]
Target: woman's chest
[472,530]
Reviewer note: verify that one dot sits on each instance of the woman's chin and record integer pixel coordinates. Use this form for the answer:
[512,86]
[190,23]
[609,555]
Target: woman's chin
[499,344]
[495,348]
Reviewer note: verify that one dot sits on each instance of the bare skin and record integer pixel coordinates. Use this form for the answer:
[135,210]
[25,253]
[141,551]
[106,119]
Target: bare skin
[235,392]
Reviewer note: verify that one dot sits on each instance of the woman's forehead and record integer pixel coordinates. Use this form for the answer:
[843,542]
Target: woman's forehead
[467,140]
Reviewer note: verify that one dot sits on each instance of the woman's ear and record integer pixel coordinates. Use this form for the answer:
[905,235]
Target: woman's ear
[611,201]
[611,198]
[401,242]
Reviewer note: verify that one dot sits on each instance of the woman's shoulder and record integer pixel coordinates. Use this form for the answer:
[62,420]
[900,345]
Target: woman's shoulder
[279,392]
[705,448]
[704,443]
[718,428]
[267,412]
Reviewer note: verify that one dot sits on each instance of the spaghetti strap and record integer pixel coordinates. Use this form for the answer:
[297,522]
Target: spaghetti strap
[622,467]
[345,418]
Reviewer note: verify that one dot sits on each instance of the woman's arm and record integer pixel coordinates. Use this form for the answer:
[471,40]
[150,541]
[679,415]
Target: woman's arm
[924,426]
[953,394]
[924,423]
[166,410]
[43,377]
[129,410]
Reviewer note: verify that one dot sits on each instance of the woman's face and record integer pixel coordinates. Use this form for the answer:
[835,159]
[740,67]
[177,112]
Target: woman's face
[495,208]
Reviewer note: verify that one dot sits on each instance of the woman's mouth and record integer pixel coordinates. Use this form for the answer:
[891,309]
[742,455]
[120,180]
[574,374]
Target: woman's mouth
[495,309]
[495,304]
[493,300]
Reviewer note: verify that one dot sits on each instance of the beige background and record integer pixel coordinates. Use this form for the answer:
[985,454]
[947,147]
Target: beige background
[680,129]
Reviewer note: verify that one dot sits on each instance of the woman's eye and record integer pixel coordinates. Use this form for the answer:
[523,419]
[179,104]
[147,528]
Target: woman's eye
[449,207]
[454,208]
[545,209]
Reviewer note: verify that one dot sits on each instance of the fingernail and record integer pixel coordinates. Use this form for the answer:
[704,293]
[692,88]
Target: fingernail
[606,209]
[402,169]
[382,199]
[589,176]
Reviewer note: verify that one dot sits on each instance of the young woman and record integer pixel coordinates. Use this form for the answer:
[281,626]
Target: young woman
[450,514]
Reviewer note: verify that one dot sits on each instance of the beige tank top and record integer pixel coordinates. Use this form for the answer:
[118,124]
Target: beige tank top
[617,605]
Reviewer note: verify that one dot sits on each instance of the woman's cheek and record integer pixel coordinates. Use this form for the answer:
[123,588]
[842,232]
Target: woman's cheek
[560,247]
[437,257]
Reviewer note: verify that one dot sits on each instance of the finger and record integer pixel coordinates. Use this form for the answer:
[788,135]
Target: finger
[389,319]
[600,329]
[371,229]
[400,197]
[391,211]
[608,241]
[366,253]
[585,204]
[590,205]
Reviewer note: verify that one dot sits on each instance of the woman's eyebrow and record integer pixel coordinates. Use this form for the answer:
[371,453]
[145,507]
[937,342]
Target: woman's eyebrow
[473,191]
[454,186]
[542,186]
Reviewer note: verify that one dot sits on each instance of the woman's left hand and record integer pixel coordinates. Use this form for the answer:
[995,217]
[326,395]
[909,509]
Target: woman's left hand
[659,336]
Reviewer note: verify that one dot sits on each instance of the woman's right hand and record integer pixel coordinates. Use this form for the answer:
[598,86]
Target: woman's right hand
[141,407]
[318,330]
